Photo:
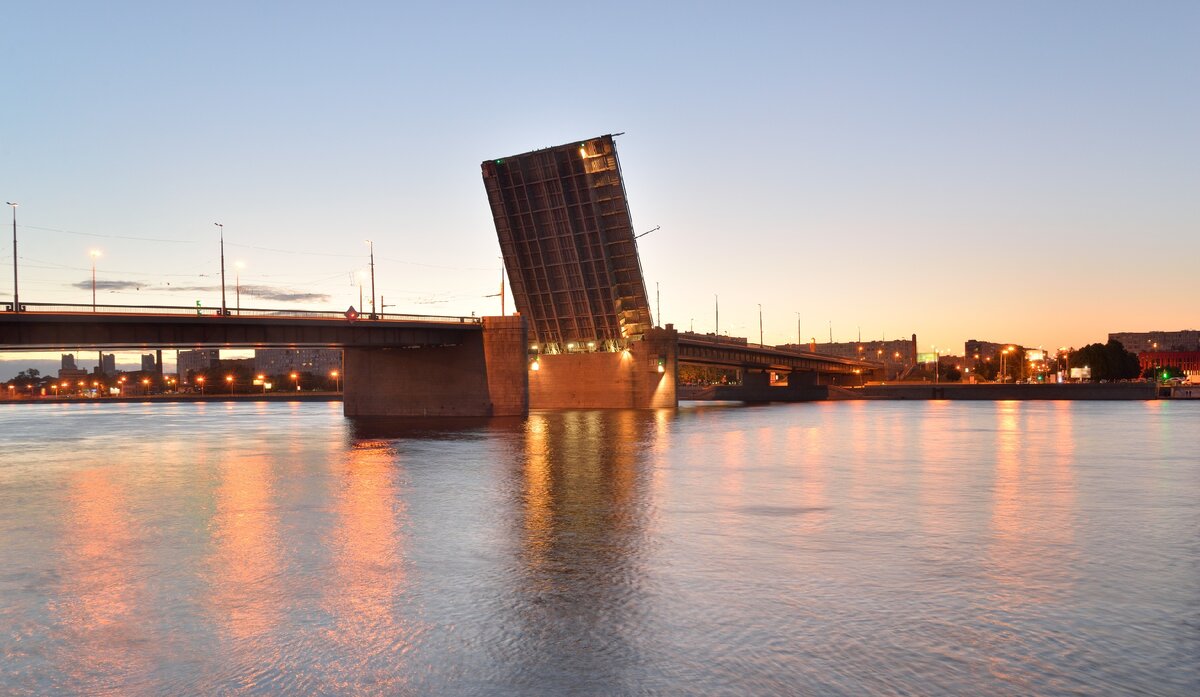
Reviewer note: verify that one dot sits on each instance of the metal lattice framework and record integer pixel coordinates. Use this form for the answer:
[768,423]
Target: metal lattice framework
[568,243]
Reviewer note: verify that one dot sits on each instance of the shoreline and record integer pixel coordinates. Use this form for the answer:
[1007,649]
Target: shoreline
[269,397]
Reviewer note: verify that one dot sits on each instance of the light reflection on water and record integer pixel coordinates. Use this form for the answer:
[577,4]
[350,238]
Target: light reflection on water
[837,548]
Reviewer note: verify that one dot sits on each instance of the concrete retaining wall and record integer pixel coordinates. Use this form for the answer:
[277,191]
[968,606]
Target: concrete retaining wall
[1084,391]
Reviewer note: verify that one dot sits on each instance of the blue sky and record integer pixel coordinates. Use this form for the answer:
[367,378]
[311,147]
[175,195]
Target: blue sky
[1015,171]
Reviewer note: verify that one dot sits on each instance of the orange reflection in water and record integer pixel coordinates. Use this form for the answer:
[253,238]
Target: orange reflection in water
[577,463]
[810,490]
[245,564]
[369,568]
[1033,509]
[100,596]
[539,511]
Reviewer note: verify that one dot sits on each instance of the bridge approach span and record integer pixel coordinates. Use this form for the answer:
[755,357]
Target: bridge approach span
[394,365]
[52,327]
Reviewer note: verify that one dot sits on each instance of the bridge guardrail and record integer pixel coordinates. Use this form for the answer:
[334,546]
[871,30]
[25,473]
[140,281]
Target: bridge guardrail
[215,312]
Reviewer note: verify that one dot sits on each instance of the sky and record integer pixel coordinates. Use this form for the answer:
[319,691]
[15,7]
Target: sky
[1022,172]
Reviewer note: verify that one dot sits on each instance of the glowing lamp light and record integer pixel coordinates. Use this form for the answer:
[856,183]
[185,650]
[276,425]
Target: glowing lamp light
[535,365]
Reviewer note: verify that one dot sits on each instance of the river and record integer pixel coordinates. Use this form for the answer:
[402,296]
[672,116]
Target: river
[851,548]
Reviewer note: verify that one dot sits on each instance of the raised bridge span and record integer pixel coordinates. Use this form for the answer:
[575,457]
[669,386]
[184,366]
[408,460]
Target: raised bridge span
[584,336]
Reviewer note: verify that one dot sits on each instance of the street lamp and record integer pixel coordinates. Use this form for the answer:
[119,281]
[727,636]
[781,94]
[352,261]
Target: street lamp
[200,380]
[263,380]
[145,385]
[296,379]
[229,379]
[337,383]
[94,254]
[223,310]
[16,299]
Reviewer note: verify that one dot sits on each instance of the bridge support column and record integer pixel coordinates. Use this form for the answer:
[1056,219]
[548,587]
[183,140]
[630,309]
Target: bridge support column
[484,375]
[623,380]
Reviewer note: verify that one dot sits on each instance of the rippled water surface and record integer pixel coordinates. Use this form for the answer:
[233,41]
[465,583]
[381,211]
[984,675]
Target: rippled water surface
[851,548]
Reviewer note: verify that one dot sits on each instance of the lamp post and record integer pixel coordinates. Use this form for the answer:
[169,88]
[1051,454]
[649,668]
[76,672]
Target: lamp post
[94,254]
[200,380]
[16,298]
[223,310]
[296,379]
[337,381]
[229,379]
[760,332]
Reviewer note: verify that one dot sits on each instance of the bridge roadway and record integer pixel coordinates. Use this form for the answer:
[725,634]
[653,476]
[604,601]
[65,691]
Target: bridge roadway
[52,327]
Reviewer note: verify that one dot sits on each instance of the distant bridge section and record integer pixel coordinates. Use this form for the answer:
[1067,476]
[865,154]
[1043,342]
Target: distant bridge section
[723,352]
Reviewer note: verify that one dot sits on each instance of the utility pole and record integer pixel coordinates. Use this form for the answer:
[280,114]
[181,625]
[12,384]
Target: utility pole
[93,254]
[717,308]
[16,298]
[373,315]
[760,332]
[657,304]
[237,283]
[799,335]
[831,331]
[223,310]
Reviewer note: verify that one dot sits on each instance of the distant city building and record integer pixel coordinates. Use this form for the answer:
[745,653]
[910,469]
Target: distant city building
[896,355]
[108,364]
[72,375]
[975,350]
[68,361]
[198,361]
[148,363]
[280,361]
[1186,361]
[1142,342]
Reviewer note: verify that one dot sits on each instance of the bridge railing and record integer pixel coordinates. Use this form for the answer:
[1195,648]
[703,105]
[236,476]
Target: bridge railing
[215,312]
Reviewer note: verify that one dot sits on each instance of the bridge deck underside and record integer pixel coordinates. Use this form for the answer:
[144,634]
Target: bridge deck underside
[41,332]
[737,356]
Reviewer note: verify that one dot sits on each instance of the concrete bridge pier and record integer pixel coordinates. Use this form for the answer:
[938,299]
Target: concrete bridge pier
[483,375]
[642,377]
